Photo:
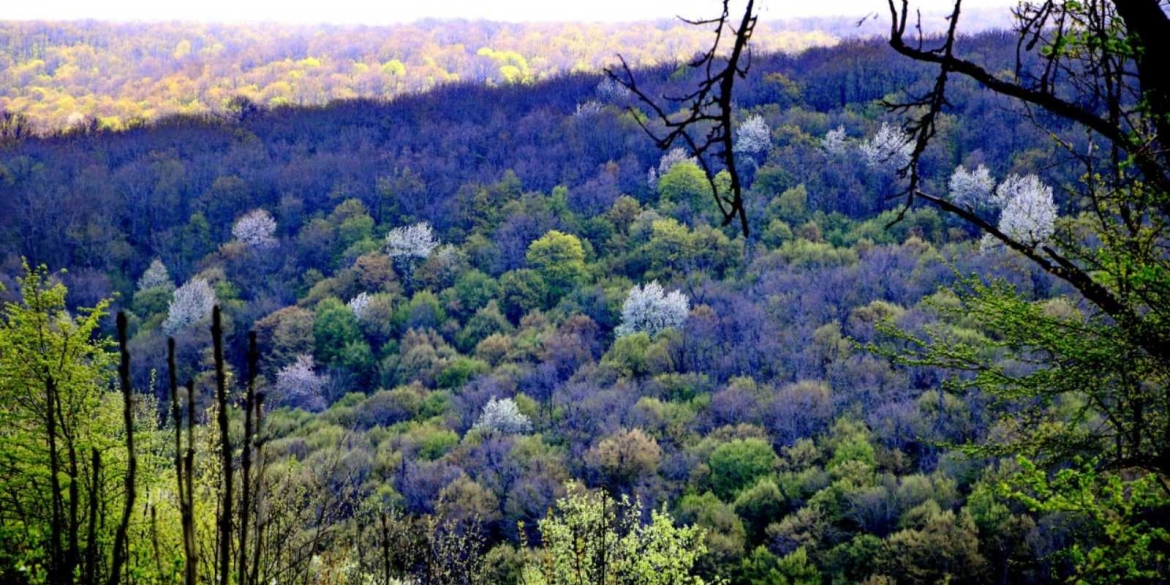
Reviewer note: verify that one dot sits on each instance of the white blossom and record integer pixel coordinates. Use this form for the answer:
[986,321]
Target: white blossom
[360,306]
[971,188]
[890,148]
[191,303]
[299,386]
[834,141]
[503,416]
[652,179]
[156,276]
[1029,213]
[589,108]
[674,157]
[753,136]
[651,310]
[612,91]
[413,241]
[256,229]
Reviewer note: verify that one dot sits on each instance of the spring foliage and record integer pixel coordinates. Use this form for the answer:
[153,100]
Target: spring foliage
[504,417]
[256,229]
[1029,213]
[191,303]
[156,276]
[589,538]
[753,136]
[889,149]
[298,385]
[651,310]
[412,241]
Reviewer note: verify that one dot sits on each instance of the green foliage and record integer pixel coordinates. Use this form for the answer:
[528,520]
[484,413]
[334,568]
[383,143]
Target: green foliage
[759,506]
[520,292]
[559,258]
[1121,539]
[791,206]
[725,534]
[1095,371]
[57,414]
[590,539]
[334,328]
[684,185]
[738,465]
[764,568]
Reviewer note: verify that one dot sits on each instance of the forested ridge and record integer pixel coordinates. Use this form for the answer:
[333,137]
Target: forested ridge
[490,319]
[112,75]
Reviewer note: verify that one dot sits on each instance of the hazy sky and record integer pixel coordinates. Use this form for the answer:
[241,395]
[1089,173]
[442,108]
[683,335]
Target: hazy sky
[391,11]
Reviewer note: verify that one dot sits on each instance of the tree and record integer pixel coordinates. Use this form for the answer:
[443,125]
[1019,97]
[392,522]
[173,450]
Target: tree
[764,568]
[1118,539]
[54,375]
[673,157]
[938,546]
[1113,90]
[255,229]
[360,306]
[299,386]
[753,136]
[738,465]
[706,127]
[503,417]
[834,141]
[191,304]
[683,185]
[412,241]
[334,327]
[589,538]
[650,310]
[625,457]
[1029,214]
[156,276]
[888,149]
[559,258]
[971,188]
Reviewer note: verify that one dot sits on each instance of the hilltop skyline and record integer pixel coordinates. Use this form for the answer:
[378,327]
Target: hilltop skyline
[355,12]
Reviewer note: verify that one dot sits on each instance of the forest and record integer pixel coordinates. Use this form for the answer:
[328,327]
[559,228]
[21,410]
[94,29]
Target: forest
[62,75]
[488,332]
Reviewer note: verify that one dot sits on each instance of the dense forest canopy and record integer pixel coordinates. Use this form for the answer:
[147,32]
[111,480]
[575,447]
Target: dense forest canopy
[74,74]
[489,333]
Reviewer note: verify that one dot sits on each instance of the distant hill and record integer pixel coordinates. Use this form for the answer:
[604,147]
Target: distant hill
[65,74]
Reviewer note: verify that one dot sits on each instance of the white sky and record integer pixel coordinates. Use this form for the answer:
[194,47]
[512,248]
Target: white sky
[375,12]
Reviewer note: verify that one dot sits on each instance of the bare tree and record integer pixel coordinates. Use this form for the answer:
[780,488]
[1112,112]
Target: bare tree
[1098,65]
[705,125]
[1131,122]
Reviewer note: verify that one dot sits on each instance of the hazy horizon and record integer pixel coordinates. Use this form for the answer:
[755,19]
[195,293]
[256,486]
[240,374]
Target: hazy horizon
[355,12]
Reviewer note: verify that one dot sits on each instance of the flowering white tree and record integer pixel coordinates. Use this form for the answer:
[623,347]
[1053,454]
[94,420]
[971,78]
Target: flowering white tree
[191,303]
[156,276]
[753,136]
[1029,213]
[890,148]
[834,141]
[589,108]
[360,306]
[652,179]
[652,310]
[299,386]
[504,417]
[971,188]
[256,229]
[413,241]
[612,91]
[671,158]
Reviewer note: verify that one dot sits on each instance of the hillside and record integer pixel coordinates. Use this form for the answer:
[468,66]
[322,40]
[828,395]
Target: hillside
[474,302]
[67,74]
